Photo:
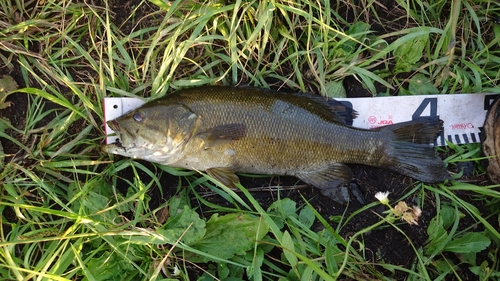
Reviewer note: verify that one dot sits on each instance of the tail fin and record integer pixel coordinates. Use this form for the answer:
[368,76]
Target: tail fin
[410,153]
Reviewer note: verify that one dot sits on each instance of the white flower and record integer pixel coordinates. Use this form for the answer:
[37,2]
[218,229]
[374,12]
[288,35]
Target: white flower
[176,271]
[382,197]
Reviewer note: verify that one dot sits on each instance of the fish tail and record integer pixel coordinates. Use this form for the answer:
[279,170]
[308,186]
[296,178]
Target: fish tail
[409,152]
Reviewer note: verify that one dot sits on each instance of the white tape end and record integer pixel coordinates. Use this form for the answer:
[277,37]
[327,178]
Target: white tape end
[114,108]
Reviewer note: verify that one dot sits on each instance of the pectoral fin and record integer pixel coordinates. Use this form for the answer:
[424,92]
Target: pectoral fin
[223,134]
[331,181]
[225,175]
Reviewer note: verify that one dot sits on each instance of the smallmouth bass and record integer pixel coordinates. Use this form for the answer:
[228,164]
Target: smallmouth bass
[224,130]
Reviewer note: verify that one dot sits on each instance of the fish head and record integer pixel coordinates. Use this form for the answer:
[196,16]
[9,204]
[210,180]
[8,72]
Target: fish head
[156,133]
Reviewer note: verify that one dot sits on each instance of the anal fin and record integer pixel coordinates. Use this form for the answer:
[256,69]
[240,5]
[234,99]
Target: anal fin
[331,181]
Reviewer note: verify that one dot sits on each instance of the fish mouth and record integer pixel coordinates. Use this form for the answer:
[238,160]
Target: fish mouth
[124,139]
[113,124]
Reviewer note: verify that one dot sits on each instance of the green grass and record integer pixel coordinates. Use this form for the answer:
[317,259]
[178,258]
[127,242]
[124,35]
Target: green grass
[63,218]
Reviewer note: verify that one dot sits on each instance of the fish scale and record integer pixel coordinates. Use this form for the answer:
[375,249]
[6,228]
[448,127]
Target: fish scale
[223,130]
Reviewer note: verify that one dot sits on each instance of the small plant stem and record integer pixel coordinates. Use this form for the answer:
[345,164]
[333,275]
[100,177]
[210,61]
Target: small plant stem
[368,229]
[455,13]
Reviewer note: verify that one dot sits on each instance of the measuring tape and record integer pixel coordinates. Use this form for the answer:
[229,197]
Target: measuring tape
[463,115]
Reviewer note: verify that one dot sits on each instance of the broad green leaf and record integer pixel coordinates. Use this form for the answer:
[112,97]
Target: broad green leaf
[447,216]
[7,85]
[421,85]
[289,248]
[358,31]
[223,270]
[280,210]
[470,242]
[468,257]
[232,279]
[306,216]
[357,28]
[484,270]
[91,203]
[286,207]
[438,236]
[444,268]
[110,266]
[410,52]
[307,274]
[183,222]
[335,89]
[231,234]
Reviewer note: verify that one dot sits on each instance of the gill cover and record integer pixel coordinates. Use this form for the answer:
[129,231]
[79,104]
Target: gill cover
[181,127]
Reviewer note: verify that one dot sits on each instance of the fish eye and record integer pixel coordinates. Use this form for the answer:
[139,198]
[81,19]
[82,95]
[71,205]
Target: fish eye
[138,117]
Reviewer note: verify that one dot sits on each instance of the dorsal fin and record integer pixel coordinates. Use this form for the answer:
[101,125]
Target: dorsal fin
[327,108]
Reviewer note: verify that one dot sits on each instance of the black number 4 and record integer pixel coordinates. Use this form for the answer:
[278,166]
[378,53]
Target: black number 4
[427,102]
